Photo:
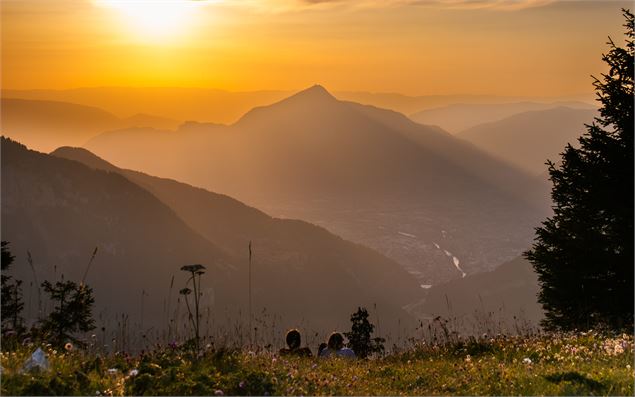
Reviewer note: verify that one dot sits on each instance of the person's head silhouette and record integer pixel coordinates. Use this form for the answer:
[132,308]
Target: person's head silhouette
[336,341]
[293,339]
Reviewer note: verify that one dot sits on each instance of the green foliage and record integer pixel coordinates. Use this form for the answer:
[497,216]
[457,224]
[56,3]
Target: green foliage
[588,363]
[12,303]
[583,254]
[359,339]
[72,311]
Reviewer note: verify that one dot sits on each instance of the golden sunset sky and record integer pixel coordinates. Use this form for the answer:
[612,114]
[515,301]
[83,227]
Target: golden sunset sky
[415,47]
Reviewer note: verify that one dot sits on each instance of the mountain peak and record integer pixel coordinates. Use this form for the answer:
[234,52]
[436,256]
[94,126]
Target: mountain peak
[310,99]
[83,156]
[315,92]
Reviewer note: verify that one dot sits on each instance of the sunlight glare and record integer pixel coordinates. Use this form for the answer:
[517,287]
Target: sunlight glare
[156,20]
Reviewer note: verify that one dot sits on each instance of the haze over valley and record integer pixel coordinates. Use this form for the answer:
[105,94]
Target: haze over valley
[412,192]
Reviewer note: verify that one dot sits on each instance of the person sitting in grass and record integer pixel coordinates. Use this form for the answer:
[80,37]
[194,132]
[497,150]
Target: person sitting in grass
[335,347]
[321,348]
[294,340]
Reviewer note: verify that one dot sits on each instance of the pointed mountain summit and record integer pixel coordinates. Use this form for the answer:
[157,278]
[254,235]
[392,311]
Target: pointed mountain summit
[313,100]
[316,92]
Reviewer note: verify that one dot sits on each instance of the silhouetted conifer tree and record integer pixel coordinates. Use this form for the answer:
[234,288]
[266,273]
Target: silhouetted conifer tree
[12,303]
[359,339]
[72,311]
[583,254]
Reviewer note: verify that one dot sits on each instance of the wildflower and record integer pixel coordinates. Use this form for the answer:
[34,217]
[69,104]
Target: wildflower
[468,358]
[628,366]
[218,392]
[241,384]
[527,360]
[112,371]
[68,346]
[196,268]
[133,372]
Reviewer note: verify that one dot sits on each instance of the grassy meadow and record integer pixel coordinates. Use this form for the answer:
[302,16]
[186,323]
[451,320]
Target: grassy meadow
[581,363]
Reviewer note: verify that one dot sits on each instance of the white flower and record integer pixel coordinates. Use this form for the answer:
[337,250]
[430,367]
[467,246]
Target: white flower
[527,360]
[133,372]
[112,371]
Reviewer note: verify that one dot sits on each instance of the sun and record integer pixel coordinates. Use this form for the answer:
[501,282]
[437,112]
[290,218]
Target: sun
[155,20]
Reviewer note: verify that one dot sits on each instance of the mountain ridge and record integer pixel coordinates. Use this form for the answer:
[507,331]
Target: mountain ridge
[529,139]
[284,251]
[325,162]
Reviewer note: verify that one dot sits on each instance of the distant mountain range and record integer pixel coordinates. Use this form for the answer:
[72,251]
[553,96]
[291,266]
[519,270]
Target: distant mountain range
[529,139]
[434,203]
[220,106]
[461,116]
[146,228]
[45,125]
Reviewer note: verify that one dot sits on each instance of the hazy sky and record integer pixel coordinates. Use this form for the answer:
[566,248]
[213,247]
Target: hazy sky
[524,47]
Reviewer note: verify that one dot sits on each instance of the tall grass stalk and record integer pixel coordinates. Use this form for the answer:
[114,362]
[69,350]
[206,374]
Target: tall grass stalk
[37,284]
[90,262]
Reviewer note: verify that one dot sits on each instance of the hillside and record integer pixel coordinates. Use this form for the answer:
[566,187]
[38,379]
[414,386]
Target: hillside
[45,124]
[175,103]
[285,250]
[529,139]
[504,298]
[59,211]
[461,116]
[146,228]
[368,174]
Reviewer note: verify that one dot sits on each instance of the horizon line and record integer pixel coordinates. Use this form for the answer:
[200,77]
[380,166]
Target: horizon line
[296,90]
